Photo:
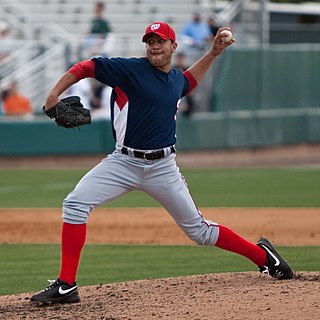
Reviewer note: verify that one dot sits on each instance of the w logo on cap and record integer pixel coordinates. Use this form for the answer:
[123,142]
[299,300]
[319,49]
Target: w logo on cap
[155,26]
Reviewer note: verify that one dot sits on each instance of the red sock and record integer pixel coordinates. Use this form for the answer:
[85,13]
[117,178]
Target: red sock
[73,238]
[231,241]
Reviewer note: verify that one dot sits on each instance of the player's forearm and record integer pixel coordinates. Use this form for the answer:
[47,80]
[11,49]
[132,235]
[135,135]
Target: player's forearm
[66,81]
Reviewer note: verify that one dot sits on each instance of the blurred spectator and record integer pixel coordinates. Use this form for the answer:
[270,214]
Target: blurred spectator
[99,25]
[16,104]
[186,106]
[96,41]
[3,92]
[95,100]
[213,26]
[195,33]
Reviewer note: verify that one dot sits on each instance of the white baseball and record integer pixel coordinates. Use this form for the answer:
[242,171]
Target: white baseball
[227,36]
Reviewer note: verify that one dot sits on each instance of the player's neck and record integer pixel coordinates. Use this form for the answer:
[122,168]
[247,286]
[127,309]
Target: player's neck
[165,69]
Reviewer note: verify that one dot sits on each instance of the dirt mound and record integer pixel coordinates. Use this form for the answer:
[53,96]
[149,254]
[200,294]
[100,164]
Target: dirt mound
[246,295]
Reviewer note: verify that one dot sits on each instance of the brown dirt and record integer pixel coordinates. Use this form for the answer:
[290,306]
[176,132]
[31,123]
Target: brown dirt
[248,295]
[285,226]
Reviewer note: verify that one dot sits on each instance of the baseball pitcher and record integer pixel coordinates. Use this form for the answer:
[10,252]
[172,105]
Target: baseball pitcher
[144,104]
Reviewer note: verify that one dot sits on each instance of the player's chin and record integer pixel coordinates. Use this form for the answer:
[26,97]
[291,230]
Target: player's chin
[158,62]
[156,59]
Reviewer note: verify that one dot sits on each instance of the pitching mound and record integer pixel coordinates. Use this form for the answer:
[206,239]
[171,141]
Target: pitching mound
[248,295]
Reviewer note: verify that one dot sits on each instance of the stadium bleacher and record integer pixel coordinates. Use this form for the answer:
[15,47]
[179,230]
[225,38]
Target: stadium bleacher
[56,29]
[128,18]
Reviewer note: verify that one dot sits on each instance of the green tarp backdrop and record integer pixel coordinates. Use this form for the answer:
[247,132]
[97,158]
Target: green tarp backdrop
[259,98]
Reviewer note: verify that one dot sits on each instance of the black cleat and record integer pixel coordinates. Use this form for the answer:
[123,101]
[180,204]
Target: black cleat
[275,265]
[57,292]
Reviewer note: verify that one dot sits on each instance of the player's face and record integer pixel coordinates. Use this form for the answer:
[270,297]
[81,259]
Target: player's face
[159,52]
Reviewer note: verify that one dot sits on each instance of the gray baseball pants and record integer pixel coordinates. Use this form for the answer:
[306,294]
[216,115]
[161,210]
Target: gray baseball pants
[119,174]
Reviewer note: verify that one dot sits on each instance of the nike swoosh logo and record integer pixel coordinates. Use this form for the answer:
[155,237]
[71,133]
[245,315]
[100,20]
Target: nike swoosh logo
[62,291]
[273,256]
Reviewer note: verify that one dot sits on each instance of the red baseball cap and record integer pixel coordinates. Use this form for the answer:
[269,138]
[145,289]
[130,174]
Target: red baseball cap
[162,29]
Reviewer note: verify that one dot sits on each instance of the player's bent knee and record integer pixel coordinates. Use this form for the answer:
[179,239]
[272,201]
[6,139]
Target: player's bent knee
[204,235]
[75,213]
[202,241]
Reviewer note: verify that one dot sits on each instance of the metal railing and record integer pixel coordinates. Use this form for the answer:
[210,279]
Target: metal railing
[18,16]
[35,68]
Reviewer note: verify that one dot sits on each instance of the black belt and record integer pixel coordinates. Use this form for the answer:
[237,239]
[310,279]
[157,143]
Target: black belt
[148,155]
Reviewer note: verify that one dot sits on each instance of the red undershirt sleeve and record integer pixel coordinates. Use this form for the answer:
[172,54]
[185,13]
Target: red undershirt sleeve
[192,81]
[83,69]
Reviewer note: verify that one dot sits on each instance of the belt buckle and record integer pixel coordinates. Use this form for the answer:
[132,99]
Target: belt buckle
[145,155]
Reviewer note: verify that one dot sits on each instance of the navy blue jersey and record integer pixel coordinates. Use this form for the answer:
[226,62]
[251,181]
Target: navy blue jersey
[144,101]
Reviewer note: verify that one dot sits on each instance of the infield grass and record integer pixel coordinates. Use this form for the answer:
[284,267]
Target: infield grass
[267,187]
[26,267]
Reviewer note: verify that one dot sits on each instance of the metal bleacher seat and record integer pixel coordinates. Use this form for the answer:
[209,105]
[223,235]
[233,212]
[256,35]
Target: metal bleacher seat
[128,18]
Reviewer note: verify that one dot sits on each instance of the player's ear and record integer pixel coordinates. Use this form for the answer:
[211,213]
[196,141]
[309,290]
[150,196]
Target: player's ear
[174,47]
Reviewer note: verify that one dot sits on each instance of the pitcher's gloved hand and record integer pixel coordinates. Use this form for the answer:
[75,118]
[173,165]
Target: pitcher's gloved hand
[69,113]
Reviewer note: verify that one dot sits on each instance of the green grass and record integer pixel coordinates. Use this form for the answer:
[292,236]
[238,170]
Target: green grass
[267,187]
[25,268]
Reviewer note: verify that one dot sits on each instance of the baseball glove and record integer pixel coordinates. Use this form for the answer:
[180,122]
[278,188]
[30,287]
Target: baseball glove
[69,113]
